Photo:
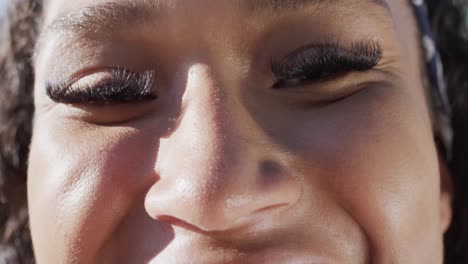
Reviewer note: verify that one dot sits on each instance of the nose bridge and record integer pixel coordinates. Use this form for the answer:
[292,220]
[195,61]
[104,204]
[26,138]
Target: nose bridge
[208,125]
[211,172]
[207,141]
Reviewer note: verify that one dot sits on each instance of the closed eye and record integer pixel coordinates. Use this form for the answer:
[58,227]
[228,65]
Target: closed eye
[321,61]
[116,85]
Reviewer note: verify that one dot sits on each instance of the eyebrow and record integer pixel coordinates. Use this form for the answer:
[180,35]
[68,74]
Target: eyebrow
[110,16]
[298,4]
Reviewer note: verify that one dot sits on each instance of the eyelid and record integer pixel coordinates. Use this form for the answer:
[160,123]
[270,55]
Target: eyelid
[91,79]
[328,55]
[104,86]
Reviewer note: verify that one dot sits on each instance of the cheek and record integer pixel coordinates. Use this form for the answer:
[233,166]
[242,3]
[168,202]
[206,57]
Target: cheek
[375,156]
[82,183]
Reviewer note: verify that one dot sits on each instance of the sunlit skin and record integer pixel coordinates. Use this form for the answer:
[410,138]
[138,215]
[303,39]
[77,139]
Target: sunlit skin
[222,167]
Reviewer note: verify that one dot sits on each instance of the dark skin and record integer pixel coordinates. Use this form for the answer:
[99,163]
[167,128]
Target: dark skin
[221,166]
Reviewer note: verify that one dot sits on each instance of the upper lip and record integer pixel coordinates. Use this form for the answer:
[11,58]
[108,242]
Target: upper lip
[272,257]
[249,236]
[260,238]
[282,253]
[261,220]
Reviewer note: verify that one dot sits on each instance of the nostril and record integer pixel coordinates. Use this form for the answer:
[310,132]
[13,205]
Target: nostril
[270,172]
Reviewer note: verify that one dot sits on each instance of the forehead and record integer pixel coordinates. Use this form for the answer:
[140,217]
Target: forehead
[105,14]
[57,8]
[102,15]
[77,18]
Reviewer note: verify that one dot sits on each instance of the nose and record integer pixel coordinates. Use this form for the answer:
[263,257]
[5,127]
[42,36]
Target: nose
[217,168]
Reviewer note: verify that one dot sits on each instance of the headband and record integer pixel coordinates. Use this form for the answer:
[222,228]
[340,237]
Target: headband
[435,73]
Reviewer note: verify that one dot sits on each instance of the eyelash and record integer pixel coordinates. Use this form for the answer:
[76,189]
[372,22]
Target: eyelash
[311,63]
[321,61]
[123,86]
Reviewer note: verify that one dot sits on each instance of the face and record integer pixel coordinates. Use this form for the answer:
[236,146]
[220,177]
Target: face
[244,131]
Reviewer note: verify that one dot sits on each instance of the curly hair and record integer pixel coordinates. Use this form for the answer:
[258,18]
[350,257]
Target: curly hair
[18,32]
[450,23]
[16,112]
